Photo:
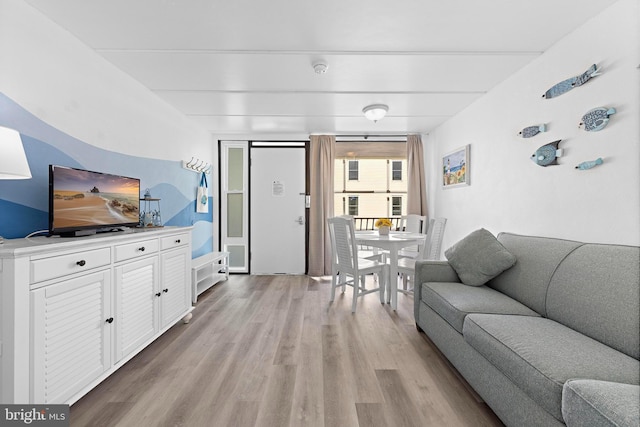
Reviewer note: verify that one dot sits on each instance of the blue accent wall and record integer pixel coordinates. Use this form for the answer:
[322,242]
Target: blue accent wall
[24,204]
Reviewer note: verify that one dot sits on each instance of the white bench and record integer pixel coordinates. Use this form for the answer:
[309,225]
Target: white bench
[207,270]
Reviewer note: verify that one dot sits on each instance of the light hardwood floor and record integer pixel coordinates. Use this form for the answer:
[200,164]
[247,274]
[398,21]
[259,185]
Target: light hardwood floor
[272,351]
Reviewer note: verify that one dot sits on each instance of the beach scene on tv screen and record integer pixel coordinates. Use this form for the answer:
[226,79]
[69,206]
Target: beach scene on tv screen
[82,198]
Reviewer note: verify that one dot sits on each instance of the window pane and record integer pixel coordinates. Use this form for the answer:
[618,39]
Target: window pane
[235,174]
[234,214]
[236,256]
[353,205]
[353,170]
[396,171]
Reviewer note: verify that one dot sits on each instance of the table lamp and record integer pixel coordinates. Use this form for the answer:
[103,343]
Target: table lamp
[13,160]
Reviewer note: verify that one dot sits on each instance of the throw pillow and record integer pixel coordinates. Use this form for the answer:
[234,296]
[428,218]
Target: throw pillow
[479,257]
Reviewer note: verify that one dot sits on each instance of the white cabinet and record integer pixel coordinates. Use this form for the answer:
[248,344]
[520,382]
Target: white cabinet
[136,320]
[71,336]
[75,310]
[175,288]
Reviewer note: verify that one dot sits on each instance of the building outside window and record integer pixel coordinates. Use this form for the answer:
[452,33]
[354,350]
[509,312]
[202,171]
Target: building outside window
[369,181]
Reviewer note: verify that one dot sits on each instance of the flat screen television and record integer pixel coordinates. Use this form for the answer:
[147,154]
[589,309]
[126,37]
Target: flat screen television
[83,202]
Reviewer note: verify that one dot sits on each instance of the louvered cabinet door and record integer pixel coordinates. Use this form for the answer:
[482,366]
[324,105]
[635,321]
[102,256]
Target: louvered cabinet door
[176,285]
[136,320]
[71,336]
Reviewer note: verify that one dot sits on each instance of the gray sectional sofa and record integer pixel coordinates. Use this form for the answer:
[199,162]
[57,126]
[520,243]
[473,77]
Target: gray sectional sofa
[554,339]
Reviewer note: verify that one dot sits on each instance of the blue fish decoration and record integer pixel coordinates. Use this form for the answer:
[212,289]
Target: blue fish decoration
[566,85]
[596,119]
[547,154]
[530,131]
[591,164]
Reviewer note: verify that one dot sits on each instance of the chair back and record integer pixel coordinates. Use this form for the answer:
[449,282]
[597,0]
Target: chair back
[413,223]
[433,243]
[343,242]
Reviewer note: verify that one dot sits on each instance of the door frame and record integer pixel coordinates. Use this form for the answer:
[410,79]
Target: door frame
[261,144]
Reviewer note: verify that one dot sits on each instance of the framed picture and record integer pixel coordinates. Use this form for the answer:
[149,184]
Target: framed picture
[455,168]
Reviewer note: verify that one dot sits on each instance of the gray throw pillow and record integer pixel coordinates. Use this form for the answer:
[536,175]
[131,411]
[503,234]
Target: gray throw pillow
[479,257]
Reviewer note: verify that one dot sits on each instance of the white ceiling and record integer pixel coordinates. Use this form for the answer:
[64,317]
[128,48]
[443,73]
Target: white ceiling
[245,66]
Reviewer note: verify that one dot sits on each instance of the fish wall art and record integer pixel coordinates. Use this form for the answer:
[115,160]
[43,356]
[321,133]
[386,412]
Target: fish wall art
[530,131]
[590,164]
[570,83]
[547,154]
[596,119]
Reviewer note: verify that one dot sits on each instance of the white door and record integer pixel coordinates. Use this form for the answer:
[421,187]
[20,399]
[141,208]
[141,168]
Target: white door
[277,220]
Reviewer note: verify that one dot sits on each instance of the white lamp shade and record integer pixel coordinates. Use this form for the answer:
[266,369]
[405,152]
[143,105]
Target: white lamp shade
[13,160]
[375,112]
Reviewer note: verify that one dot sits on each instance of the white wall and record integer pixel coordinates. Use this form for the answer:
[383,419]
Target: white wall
[53,75]
[509,192]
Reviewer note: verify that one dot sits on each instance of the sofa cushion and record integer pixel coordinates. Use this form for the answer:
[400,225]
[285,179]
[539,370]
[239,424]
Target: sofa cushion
[595,291]
[479,257]
[453,301]
[600,404]
[539,355]
[538,257]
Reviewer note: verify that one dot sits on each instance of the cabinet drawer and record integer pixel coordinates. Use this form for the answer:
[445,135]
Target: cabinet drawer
[62,265]
[136,249]
[175,241]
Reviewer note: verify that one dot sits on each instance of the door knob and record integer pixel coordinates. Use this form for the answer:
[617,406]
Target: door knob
[300,220]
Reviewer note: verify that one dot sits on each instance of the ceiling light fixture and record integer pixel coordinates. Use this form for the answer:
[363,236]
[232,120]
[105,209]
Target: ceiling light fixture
[320,67]
[375,112]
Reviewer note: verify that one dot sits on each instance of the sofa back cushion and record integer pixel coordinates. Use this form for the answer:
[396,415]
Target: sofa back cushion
[537,259]
[596,291]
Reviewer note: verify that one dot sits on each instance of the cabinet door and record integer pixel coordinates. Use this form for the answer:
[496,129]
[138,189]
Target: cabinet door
[71,336]
[136,306]
[175,286]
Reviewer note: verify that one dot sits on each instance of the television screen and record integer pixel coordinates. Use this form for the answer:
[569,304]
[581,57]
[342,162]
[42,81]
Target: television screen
[85,200]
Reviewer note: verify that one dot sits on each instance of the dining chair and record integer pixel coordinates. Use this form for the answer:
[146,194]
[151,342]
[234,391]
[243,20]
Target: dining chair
[429,251]
[413,224]
[347,268]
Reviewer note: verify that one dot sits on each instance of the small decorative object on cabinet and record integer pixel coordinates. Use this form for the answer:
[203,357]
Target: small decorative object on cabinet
[547,154]
[86,305]
[150,217]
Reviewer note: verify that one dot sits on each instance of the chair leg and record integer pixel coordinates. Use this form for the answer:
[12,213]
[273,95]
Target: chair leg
[356,292]
[334,280]
[405,278]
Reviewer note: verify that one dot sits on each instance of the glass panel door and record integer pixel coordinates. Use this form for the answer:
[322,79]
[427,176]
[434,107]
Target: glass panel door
[234,203]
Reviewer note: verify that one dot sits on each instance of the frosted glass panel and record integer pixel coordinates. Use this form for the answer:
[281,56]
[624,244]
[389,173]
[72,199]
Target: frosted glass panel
[236,256]
[234,214]
[235,169]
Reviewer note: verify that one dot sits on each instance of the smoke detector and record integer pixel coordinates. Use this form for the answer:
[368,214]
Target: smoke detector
[320,67]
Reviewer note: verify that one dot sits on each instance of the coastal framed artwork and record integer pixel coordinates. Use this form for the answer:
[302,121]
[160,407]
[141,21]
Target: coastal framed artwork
[455,168]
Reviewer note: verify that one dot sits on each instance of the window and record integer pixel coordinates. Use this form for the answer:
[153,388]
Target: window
[353,205]
[396,205]
[353,170]
[396,171]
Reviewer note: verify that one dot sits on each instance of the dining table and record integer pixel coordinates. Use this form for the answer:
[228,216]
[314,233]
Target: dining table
[393,243]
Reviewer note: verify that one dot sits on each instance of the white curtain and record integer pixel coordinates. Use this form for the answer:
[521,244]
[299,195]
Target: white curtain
[416,183]
[321,161]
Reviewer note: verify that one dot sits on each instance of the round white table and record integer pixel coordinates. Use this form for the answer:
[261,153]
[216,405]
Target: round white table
[393,242]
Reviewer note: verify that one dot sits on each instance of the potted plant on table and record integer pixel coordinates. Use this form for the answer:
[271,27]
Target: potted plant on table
[383,225]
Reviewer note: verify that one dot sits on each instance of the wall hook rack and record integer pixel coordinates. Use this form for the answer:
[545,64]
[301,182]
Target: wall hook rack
[197,165]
